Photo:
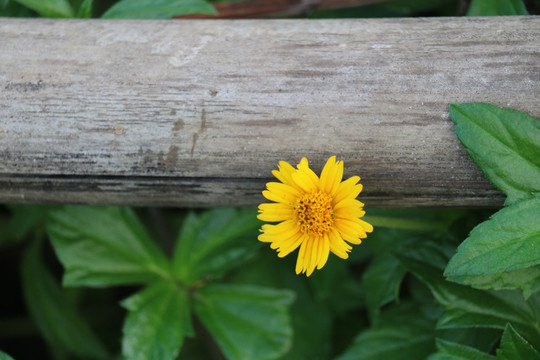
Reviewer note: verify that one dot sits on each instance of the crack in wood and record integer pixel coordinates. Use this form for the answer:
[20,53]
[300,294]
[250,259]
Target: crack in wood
[199,133]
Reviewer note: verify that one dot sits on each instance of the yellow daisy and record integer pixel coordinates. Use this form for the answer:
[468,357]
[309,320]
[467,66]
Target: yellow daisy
[319,215]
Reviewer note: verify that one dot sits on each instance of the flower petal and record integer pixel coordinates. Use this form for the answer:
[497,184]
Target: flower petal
[305,181]
[303,165]
[301,258]
[347,189]
[274,197]
[273,233]
[292,244]
[284,174]
[337,245]
[314,252]
[275,212]
[286,193]
[364,225]
[325,251]
[331,176]
[367,226]
[349,208]
[350,230]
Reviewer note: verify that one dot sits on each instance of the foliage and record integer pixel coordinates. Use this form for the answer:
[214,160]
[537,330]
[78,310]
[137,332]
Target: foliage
[435,284]
[56,318]
[515,347]
[4,356]
[109,246]
[504,144]
[162,9]
[496,8]
[502,253]
[156,9]
[121,9]
[49,8]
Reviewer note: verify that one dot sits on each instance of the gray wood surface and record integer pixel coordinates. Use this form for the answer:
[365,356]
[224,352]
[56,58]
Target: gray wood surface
[198,113]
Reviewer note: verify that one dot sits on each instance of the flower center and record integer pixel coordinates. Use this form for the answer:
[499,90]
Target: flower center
[314,213]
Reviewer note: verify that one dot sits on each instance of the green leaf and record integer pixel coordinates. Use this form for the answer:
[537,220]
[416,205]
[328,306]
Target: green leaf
[4,356]
[406,335]
[311,333]
[468,307]
[393,8]
[449,350]
[157,9]
[248,322]
[54,315]
[504,144]
[527,279]
[501,253]
[515,347]
[381,281]
[336,286]
[432,251]
[13,9]
[49,8]
[413,219]
[103,246]
[479,338]
[496,7]
[24,218]
[85,11]
[214,242]
[158,319]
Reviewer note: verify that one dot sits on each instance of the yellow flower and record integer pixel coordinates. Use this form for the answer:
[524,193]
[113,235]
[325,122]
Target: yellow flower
[319,215]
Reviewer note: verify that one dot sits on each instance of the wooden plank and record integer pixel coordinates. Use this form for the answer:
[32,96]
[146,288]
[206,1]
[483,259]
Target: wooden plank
[198,113]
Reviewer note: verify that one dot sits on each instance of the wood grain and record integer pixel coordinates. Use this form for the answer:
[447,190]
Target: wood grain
[198,113]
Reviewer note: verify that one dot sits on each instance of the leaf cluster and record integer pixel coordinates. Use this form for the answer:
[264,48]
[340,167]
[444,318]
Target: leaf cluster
[219,284]
[163,9]
[122,9]
[109,246]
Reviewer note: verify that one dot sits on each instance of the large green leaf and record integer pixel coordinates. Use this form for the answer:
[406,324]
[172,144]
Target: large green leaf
[4,356]
[54,315]
[23,219]
[515,347]
[337,286]
[85,10]
[406,334]
[502,252]
[157,9]
[504,144]
[381,281]
[159,318]
[468,307]
[13,9]
[49,8]
[448,350]
[526,279]
[392,8]
[311,333]
[421,220]
[214,242]
[103,246]
[248,322]
[496,7]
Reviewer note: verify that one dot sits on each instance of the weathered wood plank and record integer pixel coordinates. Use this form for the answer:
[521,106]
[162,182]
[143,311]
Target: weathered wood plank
[197,113]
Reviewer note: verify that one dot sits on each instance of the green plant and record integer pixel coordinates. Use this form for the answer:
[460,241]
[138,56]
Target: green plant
[122,9]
